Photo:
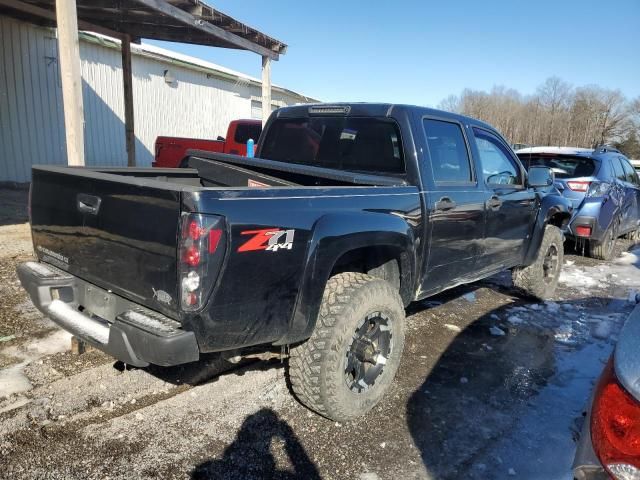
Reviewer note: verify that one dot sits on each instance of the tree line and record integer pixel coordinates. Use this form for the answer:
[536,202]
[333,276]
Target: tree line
[556,114]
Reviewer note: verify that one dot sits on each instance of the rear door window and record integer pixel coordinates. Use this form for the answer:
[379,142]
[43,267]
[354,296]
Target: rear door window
[498,167]
[358,144]
[619,171]
[630,174]
[448,152]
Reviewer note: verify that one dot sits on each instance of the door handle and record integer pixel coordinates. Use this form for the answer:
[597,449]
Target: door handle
[88,203]
[494,203]
[445,203]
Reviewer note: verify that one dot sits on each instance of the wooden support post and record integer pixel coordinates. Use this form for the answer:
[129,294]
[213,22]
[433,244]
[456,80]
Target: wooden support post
[69,53]
[266,89]
[127,76]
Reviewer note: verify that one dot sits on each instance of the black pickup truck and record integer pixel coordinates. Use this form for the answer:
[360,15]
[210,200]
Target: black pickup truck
[348,213]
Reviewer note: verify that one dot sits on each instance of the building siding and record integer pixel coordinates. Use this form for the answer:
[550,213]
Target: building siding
[197,104]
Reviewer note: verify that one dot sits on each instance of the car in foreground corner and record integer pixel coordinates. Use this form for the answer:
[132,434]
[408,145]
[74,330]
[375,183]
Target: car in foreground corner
[609,445]
[604,189]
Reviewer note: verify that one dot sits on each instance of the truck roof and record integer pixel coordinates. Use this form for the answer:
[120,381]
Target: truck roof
[374,109]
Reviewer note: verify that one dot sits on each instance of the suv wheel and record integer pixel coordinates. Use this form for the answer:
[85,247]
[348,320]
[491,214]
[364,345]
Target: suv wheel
[634,235]
[349,362]
[604,250]
[540,279]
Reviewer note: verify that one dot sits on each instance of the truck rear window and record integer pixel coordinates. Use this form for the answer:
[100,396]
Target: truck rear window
[562,166]
[246,131]
[345,143]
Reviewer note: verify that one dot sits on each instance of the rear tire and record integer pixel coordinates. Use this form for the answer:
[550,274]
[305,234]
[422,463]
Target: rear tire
[349,362]
[634,235]
[540,279]
[604,250]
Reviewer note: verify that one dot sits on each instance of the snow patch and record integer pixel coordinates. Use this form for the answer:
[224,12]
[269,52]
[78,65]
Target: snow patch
[515,320]
[602,330]
[497,332]
[453,328]
[470,297]
[576,279]
[12,379]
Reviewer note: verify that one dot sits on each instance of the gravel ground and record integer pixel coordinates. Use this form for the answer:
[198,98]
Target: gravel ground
[491,386]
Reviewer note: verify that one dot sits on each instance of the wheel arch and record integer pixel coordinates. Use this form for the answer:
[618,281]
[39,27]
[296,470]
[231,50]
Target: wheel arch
[351,242]
[554,210]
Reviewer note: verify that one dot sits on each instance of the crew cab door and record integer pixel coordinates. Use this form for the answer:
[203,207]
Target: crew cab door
[510,205]
[455,205]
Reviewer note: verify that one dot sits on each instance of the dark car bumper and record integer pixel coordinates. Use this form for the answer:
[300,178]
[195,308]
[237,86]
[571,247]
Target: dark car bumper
[121,328]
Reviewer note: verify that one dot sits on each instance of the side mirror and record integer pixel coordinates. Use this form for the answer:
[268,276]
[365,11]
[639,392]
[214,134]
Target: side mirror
[540,177]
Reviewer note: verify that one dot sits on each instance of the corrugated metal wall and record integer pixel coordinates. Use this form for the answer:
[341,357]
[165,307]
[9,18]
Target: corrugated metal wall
[31,113]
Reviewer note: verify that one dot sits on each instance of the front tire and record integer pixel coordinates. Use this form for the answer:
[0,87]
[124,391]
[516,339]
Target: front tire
[540,279]
[349,362]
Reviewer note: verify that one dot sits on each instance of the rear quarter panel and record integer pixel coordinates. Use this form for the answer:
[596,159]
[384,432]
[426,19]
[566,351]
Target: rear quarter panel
[259,290]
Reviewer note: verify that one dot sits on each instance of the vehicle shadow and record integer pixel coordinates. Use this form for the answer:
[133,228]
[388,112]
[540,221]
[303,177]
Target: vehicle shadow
[484,381]
[208,369]
[265,448]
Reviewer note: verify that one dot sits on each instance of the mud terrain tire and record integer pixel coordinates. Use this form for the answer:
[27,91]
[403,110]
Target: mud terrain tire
[540,279]
[322,370]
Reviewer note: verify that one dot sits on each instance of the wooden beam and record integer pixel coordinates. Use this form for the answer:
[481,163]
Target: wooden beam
[69,53]
[161,6]
[51,15]
[266,89]
[127,77]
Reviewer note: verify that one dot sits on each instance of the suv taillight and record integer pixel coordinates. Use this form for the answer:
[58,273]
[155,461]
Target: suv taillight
[615,427]
[578,186]
[199,258]
[598,189]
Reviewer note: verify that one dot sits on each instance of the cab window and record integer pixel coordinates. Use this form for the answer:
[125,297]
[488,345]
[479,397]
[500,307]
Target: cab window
[498,166]
[448,152]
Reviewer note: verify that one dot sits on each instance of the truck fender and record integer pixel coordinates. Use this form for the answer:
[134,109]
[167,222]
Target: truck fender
[335,235]
[553,210]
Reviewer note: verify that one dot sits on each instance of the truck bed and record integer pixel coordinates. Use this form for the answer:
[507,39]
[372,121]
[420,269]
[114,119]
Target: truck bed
[117,227]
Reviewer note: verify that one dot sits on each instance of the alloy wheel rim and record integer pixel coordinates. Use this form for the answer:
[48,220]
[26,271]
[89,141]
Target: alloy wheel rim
[368,352]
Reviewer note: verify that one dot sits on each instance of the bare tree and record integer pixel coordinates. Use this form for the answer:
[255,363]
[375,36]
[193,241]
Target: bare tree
[556,114]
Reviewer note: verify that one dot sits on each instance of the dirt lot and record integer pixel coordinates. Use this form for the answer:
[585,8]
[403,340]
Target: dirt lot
[491,386]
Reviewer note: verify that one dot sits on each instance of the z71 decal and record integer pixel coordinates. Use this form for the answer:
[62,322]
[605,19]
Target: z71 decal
[270,239]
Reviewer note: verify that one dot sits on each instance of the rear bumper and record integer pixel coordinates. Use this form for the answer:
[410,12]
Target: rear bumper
[597,232]
[121,328]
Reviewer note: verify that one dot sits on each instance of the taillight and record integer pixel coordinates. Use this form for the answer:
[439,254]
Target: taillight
[578,186]
[615,427]
[200,257]
[583,231]
[598,189]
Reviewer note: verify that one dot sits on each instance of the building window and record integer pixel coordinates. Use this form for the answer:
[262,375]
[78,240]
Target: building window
[256,109]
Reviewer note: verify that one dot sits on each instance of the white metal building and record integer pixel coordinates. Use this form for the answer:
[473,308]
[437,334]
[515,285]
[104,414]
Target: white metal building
[173,95]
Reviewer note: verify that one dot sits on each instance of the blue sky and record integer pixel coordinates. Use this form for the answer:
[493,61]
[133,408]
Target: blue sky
[419,52]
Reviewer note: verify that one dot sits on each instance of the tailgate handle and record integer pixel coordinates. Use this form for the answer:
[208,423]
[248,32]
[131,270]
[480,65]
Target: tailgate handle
[88,203]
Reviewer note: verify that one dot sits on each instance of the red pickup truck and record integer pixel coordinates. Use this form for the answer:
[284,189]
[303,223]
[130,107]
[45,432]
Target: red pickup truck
[172,151]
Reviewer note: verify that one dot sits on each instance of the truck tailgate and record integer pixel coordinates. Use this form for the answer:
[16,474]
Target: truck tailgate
[112,232]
